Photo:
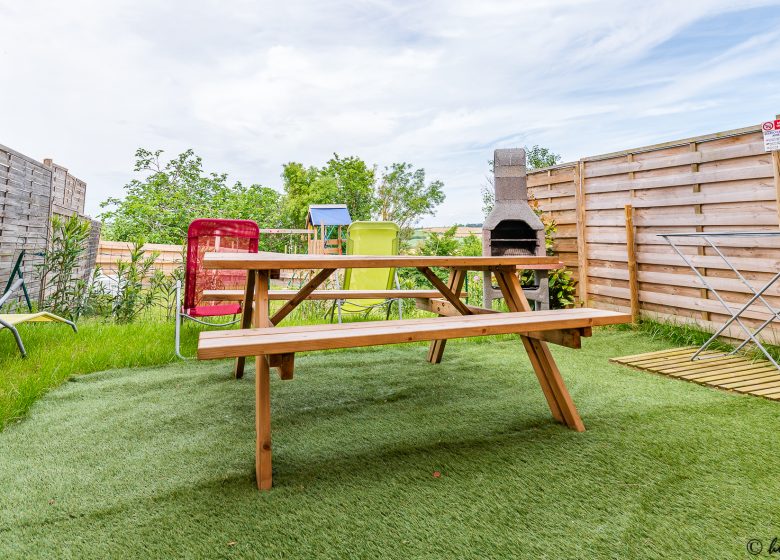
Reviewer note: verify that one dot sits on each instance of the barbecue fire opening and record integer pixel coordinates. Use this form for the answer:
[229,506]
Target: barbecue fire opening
[513,237]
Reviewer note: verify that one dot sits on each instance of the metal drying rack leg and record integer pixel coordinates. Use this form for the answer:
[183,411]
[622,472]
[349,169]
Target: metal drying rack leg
[734,313]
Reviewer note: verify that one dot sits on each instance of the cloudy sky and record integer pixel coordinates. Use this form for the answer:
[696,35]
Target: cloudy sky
[251,85]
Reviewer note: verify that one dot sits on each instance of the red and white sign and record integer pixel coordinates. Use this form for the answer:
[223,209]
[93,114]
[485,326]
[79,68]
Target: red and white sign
[771,135]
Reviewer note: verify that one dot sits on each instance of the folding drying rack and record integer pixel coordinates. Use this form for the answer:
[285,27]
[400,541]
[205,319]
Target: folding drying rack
[710,239]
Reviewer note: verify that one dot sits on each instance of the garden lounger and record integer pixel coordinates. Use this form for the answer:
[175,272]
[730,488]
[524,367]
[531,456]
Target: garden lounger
[10,320]
[370,238]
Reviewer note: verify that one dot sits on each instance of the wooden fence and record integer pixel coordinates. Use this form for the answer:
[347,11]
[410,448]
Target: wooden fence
[110,252]
[31,192]
[718,182]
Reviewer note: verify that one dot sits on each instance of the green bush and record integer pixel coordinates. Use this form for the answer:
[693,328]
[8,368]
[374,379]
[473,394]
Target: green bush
[65,291]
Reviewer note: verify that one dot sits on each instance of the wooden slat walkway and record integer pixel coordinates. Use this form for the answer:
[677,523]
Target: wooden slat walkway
[734,373]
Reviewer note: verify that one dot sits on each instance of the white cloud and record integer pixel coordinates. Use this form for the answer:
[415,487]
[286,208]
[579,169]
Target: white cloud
[250,86]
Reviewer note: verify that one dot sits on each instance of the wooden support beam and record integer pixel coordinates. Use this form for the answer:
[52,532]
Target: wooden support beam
[776,171]
[453,296]
[284,362]
[302,294]
[633,282]
[262,390]
[454,287]
[697,209]
[558,397]
[582,245]
[563,337]
[246,319]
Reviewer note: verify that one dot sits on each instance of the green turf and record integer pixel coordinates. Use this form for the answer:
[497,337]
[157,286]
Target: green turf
[158,463]
[55,352]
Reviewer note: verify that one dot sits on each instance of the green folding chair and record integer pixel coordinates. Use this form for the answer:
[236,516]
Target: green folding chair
[370,238]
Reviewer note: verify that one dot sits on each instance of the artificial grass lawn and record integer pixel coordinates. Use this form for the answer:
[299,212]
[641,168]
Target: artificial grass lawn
[159,462]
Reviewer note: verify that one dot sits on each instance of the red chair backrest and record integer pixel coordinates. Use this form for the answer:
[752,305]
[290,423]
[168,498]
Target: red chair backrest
[209,235]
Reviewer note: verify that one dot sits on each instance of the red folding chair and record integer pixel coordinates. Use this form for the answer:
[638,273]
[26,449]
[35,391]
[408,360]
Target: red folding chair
[209,235]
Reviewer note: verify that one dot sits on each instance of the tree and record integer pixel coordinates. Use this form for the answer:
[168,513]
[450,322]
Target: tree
[354,184]
[539,157]
[535,158]
[403,197]
[340,181]
[160,206]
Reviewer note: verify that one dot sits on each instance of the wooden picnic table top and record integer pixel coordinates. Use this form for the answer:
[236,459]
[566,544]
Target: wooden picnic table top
[275,261]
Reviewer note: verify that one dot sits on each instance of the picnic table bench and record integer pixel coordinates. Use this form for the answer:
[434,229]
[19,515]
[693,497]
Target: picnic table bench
[275,347]
[282,295]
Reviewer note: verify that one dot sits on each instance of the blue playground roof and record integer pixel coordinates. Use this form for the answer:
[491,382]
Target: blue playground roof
[329,215]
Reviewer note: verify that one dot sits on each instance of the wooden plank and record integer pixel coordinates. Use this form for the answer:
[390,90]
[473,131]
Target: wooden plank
[698,365]
[282,340]
[536,180]
[516,304]
[283,295]
[681,302]
[645,361]
[749,379]
[452,289]
[626,359]
[513,291]
[571,338]
[731,373]
[246,318]
[302,294]
[286,365]
[262,389]
[682,280]
[666,361]
[216,334]
[276,261]
[776,176]
[730,152]
[682,179]
[263,467]
[674,219]
[722,375]
[446,309]
[651,199]
[759,388]
[633,283]
[581,220]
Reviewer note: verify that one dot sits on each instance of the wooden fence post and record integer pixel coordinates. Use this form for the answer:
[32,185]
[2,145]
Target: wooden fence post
[633,282]
[776,171]
[582,246]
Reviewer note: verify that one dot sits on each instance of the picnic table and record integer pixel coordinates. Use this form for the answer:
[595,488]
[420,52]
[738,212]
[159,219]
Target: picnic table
[276,346]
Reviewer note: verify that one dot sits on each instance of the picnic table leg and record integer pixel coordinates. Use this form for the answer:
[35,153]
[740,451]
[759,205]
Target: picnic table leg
[553,386]
[455,284]
[262,390]
[246,318]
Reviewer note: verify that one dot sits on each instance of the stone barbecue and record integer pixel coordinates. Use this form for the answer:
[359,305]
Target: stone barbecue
[512,227]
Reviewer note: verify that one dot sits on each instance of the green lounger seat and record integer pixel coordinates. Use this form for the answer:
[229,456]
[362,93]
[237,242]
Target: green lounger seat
[10,320]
